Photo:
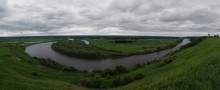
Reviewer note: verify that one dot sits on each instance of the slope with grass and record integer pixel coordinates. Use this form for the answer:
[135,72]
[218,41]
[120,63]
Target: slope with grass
[194,68]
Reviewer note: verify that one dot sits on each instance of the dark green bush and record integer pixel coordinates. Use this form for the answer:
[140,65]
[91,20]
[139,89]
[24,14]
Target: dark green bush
[120,69]
[138,66]
[55,65]
[166,60]
[97,71]
[35,74]
[138,76]
[69,69]
[112,72]
[124,41]
[123,80]
[109,72]
[94,82]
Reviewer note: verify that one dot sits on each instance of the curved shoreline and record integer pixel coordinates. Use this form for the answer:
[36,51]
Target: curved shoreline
[108,54]
[43,50]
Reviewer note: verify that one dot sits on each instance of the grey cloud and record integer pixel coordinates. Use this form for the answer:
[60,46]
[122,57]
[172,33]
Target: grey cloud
[3,8]
[98,16]
[197,16]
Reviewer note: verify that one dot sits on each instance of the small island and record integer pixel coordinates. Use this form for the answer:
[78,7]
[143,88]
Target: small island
[102,48]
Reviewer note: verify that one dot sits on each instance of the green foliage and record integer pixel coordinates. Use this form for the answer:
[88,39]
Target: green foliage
[123,41]
[35,74]
[94,82]
[123,80]
[166,60]
[116,71]
[79,49]
[55,65]
[194,41]
[133,46]
[137,66]
[111,48]
[194,68]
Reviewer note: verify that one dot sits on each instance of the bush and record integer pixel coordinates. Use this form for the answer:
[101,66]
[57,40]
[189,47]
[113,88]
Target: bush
[112,72]
[94,82]
[120,69]
[127,79]
[138,76]
[124,41]
[55,65]
[138,66]
[97,71]
[166,60]
[108,72]
[69,69]
[35,74]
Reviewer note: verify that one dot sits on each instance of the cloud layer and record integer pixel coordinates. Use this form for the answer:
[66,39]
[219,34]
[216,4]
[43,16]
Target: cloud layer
[109,17]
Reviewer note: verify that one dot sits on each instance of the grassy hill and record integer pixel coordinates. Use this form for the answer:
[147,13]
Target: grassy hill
[194,68]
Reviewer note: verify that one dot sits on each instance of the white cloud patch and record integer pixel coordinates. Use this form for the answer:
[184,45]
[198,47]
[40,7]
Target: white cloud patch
[109,17]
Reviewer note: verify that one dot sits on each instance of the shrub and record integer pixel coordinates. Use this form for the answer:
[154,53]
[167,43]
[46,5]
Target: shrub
[138,66]
[97,71]
[138,76]
[69,69]
[166,60]
[109,72]
[35,74]
[123,80]
[112,72]
[94,82]
[120,69]
[55,65]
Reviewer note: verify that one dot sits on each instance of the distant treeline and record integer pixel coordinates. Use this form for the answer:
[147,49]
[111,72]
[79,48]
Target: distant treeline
[78,49]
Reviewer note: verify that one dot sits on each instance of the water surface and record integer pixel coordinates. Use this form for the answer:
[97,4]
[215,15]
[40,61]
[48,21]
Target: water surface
[44,50]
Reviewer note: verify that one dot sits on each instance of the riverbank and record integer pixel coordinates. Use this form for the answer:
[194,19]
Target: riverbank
[112,48]
[44,50]
[191,68]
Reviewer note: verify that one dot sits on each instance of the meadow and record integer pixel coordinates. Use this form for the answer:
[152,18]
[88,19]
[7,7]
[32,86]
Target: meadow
[195,67]
[112,48]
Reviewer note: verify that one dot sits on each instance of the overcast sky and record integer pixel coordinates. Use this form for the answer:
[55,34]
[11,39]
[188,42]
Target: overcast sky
[109,17]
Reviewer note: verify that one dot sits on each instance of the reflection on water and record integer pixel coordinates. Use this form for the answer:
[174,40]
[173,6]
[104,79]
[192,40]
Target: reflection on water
[43,50]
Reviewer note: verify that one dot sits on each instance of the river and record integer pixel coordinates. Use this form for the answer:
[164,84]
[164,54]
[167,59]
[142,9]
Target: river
[44,50]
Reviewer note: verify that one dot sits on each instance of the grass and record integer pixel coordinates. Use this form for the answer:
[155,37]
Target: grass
[194,68]
[112,48]
[135,46]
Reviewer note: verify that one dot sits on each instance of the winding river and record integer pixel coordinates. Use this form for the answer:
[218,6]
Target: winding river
[44,50]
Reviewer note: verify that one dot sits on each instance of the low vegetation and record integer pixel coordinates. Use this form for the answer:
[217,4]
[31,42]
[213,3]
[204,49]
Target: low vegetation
[192,68]
[112,48]
[55,65]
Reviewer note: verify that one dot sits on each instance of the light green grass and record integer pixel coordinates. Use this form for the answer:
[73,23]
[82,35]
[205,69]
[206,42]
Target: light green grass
[139,46]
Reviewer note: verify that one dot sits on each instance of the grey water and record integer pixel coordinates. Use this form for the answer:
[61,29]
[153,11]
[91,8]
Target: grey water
[44,50]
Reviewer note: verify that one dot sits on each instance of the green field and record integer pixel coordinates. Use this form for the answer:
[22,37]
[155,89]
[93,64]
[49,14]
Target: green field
[112,48]
[194,68]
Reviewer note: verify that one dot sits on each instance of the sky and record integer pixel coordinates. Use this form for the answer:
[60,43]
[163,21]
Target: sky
[109,17]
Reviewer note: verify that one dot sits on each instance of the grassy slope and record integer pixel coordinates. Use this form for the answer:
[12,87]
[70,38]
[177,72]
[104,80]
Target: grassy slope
[17,74]
[195,68]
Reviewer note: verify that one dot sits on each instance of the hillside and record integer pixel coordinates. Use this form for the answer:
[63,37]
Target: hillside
[194,68]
